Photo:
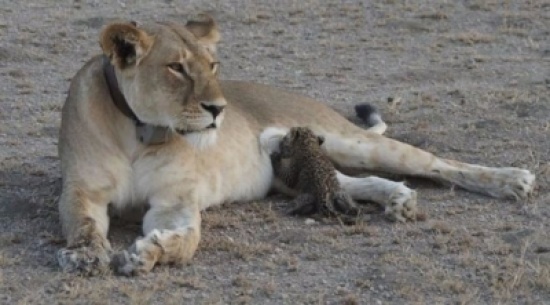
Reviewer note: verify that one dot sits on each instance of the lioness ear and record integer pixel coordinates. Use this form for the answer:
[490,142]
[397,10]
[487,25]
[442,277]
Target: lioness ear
[321,140]
[124,43]
[204,28]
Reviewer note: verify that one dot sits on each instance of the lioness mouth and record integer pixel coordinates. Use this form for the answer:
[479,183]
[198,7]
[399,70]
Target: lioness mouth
[185,132]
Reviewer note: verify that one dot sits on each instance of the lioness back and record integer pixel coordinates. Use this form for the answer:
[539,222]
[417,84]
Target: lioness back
[268,106]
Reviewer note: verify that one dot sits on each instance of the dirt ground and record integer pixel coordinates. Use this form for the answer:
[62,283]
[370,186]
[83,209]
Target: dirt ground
[467,80]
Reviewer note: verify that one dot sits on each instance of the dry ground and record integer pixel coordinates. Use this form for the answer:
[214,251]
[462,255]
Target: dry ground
[463,79]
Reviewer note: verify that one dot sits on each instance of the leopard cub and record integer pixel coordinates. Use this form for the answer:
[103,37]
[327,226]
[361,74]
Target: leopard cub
[301,165]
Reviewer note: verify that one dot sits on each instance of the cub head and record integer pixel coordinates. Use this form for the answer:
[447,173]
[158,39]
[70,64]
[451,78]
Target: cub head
[298,139]
[168,73]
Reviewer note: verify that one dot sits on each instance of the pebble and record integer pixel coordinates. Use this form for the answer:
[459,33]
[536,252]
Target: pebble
[310,221]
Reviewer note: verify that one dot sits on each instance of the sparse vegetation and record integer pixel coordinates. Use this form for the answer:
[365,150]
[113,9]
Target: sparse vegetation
[471,38]
[463,79]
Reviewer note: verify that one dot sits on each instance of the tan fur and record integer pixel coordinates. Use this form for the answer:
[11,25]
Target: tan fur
[103,163]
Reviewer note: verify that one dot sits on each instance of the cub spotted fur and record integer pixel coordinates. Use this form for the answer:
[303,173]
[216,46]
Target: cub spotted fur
[302,166]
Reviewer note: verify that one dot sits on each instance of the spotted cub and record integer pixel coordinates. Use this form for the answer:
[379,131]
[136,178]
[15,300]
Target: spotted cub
[301,165]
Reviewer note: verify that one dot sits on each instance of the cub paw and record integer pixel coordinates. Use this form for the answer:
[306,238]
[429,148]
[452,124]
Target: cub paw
[344,204]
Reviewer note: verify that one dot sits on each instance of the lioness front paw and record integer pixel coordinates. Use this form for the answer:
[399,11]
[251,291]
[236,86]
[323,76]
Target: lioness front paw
[88,261]
[128,264]
[140,258]
[402,205]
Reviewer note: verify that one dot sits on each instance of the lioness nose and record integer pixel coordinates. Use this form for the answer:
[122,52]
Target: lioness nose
[214,109]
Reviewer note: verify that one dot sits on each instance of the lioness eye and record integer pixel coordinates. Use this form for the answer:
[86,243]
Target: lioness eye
[176,66]
[214,66]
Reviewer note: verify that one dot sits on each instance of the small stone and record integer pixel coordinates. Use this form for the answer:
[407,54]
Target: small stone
[310,221]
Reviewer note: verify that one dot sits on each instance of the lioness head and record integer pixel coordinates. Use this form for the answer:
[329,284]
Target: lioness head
[168,73]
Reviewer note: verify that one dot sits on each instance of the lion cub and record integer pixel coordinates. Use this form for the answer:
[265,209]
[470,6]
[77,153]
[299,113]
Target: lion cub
[302,166]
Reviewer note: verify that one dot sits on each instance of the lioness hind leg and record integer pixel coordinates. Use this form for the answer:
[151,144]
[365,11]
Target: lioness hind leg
[498,182]
[374,152]
[172,235]
[85,224]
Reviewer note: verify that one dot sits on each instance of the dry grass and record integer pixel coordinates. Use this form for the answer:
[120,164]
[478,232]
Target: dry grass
[471,38]
[440,227]
[7,239]
[483,5]
[466,81]
[138,296]
[541,279]
[239,249]
[350,299]
[437,15]
[7,260]
[191,282]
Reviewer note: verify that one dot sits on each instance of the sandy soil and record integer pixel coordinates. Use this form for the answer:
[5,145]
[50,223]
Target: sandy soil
[472,82]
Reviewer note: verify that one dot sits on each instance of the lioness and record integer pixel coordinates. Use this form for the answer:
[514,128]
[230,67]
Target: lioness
[148,123]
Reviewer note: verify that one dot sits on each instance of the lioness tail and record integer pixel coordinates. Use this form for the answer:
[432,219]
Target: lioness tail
[370,115]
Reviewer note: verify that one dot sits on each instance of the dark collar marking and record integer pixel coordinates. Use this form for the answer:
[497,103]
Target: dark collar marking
[145,133]
[117,96]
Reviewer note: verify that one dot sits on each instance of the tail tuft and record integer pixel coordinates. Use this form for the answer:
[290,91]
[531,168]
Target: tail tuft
[370,115]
